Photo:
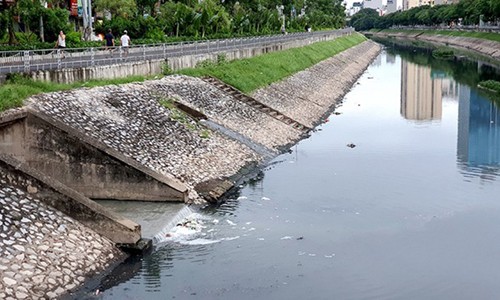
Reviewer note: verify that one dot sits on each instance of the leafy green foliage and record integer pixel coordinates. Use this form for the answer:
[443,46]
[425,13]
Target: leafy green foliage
[492,85]
[151,21]
[465,12]
[365,19]
[117,8]
[17,88]
[443,53]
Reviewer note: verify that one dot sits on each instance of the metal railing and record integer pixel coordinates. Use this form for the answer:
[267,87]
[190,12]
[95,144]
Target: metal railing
[53,59]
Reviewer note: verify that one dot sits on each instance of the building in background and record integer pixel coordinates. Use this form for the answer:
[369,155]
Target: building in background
[407,4]
[394,6]
[440,2]
[356,6]
[373,4]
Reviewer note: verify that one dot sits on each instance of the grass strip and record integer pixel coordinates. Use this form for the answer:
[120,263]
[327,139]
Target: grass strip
[19,88]
[252,73]
[246,74]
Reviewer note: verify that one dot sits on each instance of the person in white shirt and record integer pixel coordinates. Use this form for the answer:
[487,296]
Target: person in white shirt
[125,42]
[61,42]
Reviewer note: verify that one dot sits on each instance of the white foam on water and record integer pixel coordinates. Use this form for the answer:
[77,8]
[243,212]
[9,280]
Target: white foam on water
[231,238]
[190,228]
[162,235]
[198,242]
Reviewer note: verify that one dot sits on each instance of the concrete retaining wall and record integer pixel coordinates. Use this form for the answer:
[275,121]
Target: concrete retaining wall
[154,67]
[68,201]
[68,156]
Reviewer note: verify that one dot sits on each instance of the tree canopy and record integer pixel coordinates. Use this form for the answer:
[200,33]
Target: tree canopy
[156,19]
[466,12]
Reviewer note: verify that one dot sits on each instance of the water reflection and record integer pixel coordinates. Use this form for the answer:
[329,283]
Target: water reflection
[390,58]
[421,93]
[423,90]
[478,132]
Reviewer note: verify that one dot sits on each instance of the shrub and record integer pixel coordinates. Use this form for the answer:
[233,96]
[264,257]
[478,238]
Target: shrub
[443,53]
[492,85]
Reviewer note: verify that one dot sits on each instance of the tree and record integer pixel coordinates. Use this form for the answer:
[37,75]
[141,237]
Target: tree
[147,7]
[176,16]
[364,19]
[117,8]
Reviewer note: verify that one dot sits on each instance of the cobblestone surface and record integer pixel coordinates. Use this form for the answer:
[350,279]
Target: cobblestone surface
[308,95]
[130,119]
[44,253]
[227,110]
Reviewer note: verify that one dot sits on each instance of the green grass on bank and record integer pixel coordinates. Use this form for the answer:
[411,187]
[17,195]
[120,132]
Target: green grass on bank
[492,36]
[246,75]
[18,88]
[250,74]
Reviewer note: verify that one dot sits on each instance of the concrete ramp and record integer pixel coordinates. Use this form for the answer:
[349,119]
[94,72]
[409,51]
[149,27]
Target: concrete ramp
[116,228]
[80,162]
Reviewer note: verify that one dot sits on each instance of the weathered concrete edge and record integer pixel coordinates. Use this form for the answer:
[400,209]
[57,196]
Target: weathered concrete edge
[172,182]
[128,231]
[11,116]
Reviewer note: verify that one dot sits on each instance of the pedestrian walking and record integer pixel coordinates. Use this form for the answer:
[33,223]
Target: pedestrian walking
[125,42]
[61,42]
[110,40]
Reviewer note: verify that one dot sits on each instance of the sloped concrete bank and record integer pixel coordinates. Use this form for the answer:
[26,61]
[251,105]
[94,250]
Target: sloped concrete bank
[156,124]
[481,46]
[44,253]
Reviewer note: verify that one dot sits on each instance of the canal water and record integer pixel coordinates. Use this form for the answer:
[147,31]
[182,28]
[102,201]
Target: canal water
[395,196]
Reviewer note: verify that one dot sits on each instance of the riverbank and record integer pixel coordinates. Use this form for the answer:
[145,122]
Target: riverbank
[44,253]
[137,119]
[482,46]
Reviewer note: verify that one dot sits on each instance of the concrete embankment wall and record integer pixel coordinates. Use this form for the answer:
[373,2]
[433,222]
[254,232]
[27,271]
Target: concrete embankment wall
[85,165]
[154,67]
[481,46]
[43,252]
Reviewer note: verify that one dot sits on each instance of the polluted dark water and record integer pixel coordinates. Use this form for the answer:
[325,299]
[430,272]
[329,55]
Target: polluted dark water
[395,196]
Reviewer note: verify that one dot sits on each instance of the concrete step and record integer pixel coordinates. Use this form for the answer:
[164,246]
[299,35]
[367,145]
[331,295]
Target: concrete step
[255,104]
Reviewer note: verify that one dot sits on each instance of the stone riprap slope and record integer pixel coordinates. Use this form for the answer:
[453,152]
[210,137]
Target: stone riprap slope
[43,253]
[129,119]
[309,94]
[227,111]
